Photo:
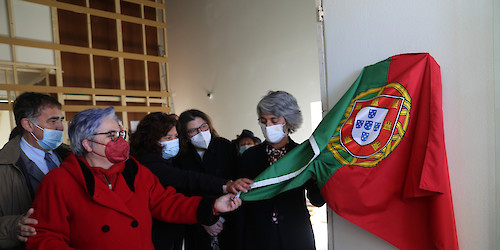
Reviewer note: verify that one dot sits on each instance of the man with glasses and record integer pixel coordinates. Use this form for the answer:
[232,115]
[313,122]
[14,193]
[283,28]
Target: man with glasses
[35,148]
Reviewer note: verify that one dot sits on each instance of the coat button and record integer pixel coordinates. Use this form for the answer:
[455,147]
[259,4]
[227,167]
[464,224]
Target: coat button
[134,223]
[105,228]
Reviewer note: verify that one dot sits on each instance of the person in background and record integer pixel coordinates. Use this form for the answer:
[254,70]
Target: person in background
[35,147]
[154,144]
[175,116]
[283,221]
[203,150]
[246,140]
[101,198]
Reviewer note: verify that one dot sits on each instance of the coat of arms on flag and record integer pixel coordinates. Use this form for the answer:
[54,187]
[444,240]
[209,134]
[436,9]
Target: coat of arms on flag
[373,127]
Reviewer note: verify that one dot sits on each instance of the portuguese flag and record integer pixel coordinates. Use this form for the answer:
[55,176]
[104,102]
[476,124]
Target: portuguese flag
[379,156]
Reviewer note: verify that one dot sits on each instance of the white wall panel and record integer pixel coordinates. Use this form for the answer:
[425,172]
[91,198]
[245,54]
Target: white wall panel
[459,35]
[32,22]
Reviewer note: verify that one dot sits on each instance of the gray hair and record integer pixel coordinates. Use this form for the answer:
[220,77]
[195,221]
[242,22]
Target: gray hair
[85,124]
[281,103]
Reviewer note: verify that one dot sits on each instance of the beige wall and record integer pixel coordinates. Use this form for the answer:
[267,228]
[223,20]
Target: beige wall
[4,127]
[239,50]
[459,35]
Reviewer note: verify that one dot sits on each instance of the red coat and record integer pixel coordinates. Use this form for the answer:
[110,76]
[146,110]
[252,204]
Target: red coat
[76,210]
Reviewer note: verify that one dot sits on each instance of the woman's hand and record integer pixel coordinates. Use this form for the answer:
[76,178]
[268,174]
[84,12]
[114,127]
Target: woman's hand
[227,203]
[242,184]
[214,229]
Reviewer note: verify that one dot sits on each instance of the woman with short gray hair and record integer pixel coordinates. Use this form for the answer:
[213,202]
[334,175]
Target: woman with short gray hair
[281,103]
[265,222]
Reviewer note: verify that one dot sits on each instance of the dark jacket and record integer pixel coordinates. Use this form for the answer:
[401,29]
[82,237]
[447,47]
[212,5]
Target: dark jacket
[165,235]
[181,179]
[293,229]
[220,159]
[16,190]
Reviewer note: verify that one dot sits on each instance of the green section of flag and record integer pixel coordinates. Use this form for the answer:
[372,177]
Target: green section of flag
[325,165]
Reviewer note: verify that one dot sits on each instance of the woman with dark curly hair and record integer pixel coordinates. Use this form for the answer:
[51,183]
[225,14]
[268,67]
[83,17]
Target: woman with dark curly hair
[154,144]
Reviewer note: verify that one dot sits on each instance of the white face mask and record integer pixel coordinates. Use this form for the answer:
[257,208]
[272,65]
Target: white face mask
[202,139]
[274,133]
[169,148]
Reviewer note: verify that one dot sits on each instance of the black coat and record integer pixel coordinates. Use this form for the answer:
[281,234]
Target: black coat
[293,229]
[182,179]
[166,235]
[220,159]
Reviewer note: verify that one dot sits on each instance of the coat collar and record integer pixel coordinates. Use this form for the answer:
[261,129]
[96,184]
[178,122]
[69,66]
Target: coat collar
[129,173]
[11,152]
[97,190]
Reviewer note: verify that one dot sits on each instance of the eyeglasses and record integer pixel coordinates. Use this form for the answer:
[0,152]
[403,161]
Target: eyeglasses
[114,134]
[273,120]
[194,131]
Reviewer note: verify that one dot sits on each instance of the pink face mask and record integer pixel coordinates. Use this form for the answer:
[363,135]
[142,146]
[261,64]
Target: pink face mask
[116,151]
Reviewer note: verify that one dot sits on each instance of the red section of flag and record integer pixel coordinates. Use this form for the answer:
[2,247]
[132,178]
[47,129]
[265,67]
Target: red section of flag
[406,198]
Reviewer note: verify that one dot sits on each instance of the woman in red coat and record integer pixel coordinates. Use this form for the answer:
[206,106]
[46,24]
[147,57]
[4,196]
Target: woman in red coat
[99,198]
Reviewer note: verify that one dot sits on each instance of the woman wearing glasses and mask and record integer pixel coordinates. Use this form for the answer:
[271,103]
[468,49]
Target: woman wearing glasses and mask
[154,144]
[283,221]
[100,198]
[202,150]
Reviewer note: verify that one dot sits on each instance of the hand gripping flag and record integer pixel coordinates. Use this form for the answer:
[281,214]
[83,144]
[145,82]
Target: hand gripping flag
[379,156]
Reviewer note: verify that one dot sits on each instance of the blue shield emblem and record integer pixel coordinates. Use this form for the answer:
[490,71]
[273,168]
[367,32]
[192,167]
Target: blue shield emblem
[359,123]
[367,124]
[364,136]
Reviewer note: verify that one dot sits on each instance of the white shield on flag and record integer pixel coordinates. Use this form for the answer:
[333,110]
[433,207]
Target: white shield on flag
[368,124]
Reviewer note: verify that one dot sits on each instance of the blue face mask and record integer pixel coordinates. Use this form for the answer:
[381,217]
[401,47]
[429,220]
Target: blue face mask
[51,138]
[244,147]
[169,148]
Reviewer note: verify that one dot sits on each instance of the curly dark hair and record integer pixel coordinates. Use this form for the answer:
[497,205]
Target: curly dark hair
[187,116]
[149,131]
